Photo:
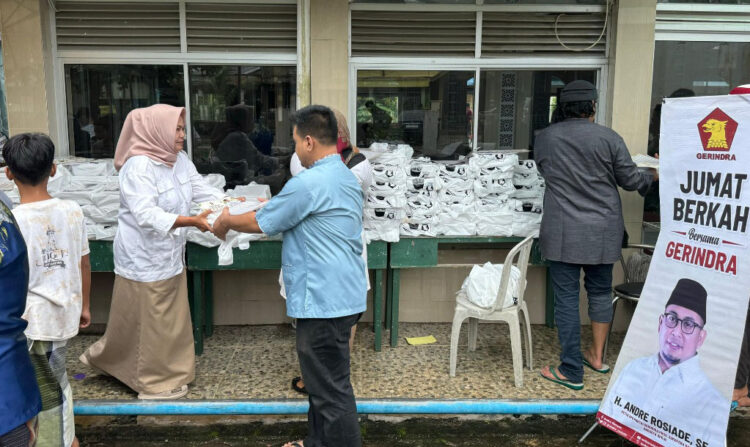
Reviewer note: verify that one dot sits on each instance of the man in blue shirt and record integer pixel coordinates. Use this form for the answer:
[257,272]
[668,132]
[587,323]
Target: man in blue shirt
[320,213]
[19,394]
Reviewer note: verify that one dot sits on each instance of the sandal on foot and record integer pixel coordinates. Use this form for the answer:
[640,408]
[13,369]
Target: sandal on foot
[560,381]
[296,387]
[164,395]
[295,444]
[603,370]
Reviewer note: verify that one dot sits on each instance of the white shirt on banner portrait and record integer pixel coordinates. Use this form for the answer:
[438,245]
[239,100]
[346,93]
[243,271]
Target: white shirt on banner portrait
[670,397]
[146,247]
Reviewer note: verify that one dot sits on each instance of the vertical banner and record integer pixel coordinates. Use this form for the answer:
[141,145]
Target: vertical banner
[673,381]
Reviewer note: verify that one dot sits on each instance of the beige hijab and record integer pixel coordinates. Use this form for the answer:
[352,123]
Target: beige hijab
[149,131]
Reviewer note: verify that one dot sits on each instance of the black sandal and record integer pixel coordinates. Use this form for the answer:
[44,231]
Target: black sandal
[296,387]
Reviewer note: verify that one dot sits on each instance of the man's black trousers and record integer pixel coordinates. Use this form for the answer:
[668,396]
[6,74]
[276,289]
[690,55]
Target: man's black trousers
[323,350]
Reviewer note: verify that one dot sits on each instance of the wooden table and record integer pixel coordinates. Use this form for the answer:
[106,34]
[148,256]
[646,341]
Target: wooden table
[262,255]
[422,252]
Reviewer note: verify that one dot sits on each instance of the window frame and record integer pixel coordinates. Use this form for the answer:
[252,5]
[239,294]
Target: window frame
[512,62]
[183,58]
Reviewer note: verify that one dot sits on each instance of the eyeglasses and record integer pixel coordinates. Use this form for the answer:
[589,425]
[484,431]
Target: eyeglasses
[688,326]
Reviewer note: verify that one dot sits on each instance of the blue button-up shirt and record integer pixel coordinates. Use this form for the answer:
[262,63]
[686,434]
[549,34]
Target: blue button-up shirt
[320,213]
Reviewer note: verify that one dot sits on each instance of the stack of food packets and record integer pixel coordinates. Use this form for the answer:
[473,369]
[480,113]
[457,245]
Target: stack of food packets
[493,186]
[423,184]
[527,198]
[385,206]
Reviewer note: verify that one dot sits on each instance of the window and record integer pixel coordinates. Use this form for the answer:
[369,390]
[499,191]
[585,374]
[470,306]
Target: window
[99,97]
[430,110]
[240,121]
[513,105]
[691,69]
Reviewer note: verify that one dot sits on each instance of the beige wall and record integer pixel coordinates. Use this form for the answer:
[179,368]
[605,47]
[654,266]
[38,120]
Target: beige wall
[329,53]
[27,62]
[631,72]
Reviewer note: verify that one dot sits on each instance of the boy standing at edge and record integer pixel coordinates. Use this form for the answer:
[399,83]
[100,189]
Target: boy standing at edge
[59,279]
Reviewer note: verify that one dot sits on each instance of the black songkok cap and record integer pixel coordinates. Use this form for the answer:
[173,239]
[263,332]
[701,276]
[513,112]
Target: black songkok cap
[578,91]
[690,295]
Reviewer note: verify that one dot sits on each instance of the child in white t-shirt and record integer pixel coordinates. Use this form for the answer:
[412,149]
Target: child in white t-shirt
[59,279]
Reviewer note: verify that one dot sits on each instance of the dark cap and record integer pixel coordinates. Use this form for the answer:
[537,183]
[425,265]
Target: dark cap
[577,91]
[690,295]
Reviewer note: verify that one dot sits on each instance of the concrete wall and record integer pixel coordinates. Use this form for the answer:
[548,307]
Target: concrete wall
[631,73]
[27,60]
[329,50]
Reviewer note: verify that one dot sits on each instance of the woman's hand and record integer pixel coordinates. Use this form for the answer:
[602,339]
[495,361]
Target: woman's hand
[201,221]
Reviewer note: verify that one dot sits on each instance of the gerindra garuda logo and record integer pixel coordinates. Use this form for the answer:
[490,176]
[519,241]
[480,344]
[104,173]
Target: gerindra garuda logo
[717,134]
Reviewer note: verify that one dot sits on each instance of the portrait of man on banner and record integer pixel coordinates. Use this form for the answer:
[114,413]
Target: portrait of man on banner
[665,389]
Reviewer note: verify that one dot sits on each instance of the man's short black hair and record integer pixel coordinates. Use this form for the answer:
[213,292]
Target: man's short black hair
[29,157]
[577,109]
[317,121]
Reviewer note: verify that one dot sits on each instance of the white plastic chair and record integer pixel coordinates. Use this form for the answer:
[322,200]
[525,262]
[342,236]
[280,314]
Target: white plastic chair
[465,309]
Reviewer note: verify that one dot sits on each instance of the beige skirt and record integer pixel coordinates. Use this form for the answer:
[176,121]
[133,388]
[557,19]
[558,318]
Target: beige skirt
[148,344]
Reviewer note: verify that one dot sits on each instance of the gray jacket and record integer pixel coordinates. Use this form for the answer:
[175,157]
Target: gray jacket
[583,164]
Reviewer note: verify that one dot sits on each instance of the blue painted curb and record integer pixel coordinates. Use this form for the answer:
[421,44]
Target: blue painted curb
[364,406]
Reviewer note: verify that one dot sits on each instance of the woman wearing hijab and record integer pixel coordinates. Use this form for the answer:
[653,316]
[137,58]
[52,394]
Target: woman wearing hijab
[148,344]
[362,170]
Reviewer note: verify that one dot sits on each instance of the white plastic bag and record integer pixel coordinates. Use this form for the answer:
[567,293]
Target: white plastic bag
[483,284]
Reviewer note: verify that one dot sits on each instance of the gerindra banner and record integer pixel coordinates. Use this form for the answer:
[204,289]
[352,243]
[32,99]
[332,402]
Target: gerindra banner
[673,381]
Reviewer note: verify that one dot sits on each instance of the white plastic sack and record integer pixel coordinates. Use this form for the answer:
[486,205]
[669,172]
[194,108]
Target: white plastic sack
[384,173]
[251,191]
[414,229]
[82,198]
[103,167]
[381,231]
[101,214]
[233,238]
[493,162]
[59,182]
[453,198]
[455,170]
[483,284]
[215,180]
[484,185]
[379,200]
[498,223]
[100,232]
[457,184]
[453,223]
[534,191]
[384,214]
[418,184]
[423,167]
[387,188]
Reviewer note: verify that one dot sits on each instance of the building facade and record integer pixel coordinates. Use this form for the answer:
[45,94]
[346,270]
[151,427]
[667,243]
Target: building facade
[446,75]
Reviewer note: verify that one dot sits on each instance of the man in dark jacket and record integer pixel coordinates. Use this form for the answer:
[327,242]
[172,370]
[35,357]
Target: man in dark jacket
[583,163]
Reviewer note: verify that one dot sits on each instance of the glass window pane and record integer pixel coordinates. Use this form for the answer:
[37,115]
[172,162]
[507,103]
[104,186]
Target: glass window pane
[99,97]
[514,105]
[691,69]
[430,110]
[240,120]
